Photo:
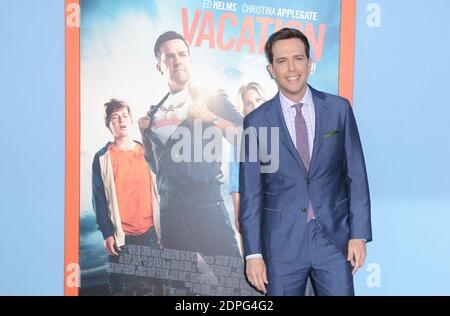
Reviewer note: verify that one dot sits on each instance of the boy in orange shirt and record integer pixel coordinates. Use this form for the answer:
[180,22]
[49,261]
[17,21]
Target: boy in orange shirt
[124,199]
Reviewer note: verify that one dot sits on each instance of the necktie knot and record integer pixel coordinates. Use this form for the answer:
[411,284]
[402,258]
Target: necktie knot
[298,107]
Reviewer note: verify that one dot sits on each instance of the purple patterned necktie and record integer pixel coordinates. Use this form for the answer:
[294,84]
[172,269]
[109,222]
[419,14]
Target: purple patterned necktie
[301,139]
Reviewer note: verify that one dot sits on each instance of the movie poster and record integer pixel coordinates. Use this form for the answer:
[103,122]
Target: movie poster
[169,202]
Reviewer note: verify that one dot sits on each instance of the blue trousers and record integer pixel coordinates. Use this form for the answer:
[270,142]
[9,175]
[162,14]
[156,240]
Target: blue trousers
[318,258]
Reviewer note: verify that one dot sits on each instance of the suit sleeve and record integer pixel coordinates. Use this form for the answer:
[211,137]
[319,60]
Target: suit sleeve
[251,191]
[99,201]
[356,180]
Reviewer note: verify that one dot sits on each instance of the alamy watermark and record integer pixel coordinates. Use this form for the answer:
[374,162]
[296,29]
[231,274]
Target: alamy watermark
[204,144]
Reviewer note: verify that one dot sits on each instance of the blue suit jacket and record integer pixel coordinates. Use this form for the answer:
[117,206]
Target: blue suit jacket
[274,204]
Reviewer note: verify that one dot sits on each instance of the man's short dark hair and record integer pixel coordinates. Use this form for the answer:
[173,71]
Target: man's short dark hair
[165,37]
[112,106]
[284,33]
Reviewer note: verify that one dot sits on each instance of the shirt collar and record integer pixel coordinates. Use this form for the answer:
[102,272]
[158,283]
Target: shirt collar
[180,96]
[307,100]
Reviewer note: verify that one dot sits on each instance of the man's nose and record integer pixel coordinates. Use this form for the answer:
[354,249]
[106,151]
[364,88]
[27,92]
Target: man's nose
[291,66]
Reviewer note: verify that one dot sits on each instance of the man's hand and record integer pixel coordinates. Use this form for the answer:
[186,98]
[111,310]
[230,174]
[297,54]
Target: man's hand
[200,111]
[238,225]
[144,123]
[110,246]
[235,197]
[356,253]
[160,245]
[256,273]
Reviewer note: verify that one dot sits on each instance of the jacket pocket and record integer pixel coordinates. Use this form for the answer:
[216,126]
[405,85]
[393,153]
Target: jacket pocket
[332,133]
[340,202]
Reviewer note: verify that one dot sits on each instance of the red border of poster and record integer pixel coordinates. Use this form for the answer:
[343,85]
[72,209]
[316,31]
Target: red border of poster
[72,148]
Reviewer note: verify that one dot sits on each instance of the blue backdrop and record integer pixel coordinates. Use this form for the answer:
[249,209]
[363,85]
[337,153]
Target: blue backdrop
[401,102]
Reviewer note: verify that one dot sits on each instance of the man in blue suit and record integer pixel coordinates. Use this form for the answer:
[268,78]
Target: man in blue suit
[311,215]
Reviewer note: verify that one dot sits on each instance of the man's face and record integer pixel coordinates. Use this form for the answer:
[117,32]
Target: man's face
[120,123]
[290,67]
[175,64]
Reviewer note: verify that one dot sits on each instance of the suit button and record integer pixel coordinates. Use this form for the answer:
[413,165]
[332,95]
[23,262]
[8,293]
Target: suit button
[303,210]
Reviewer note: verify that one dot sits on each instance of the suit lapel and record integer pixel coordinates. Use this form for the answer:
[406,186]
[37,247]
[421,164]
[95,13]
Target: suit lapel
[276,118]
[321,113]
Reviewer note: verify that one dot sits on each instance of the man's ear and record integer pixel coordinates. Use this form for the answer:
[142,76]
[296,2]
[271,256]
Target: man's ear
[269,70]
[158,67]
